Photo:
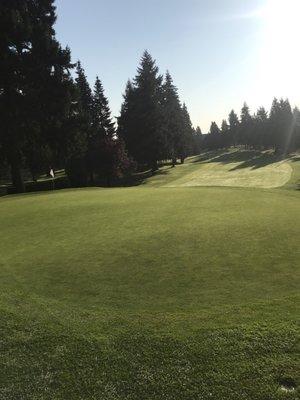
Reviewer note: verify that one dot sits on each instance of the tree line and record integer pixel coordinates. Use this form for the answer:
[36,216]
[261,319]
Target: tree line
[279,129]
[52,119]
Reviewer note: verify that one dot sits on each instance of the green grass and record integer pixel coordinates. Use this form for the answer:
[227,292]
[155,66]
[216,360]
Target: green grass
[152,292]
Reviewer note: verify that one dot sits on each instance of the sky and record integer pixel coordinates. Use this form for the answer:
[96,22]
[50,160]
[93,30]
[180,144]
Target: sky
[220,53]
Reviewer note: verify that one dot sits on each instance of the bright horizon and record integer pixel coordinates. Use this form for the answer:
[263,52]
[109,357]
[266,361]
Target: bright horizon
[219,53]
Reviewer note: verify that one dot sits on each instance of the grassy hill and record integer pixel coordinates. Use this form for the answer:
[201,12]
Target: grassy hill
[176,289]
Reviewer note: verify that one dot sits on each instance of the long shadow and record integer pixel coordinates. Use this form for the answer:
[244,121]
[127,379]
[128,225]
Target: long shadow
[246,158]
[141,177]
[295,159]
[258,162]
[205,156]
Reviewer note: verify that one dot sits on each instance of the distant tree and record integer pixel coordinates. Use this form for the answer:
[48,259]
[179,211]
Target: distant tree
[246,127]
[172,120]
[281,125]
[126,120]
[234,127]
[260,136]
[198,140]
[185,143]
[80,131]
[296,133]
[102,130]
[85,98]
[214,129]
[108,155]
[225,130]
[101,114]
[224,127]
[141,118]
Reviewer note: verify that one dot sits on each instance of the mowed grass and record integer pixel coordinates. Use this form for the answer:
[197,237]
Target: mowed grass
[150,293]
[233,168]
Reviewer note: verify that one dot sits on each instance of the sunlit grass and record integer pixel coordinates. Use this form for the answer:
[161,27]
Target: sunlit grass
[150,292]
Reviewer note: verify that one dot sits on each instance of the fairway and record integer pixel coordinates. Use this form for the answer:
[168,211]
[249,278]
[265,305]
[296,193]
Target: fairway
[234,168]
[152,292]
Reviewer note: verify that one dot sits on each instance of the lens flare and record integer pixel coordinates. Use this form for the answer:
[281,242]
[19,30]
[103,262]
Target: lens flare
[279,61]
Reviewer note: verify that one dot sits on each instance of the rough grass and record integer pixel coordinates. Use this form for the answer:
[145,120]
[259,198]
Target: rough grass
[150,293]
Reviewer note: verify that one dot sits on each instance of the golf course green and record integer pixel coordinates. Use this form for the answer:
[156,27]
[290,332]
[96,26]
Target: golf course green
[184,287]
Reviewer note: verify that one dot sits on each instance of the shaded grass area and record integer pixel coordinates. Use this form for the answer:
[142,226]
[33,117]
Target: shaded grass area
[143,293]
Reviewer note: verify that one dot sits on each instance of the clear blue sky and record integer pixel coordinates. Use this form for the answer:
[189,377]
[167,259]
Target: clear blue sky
[219,52]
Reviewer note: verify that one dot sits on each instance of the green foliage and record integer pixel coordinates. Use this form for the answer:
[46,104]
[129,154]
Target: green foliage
[141,116]
[152,123]
[34,83]
[279,130]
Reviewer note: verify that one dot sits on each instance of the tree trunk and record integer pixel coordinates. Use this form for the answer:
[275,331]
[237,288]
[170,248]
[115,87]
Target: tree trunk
[92,181]
[154,166]
[16,176]
[33,174]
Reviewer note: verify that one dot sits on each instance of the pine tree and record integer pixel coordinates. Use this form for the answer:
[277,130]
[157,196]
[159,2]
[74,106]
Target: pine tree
[85,99]
[34,80]
[224,127]
[106,153]
[126,123]
[225,130]
[234,127]
[141,120]
[171,109]
[101,115]
[296,134]
[198,140]
[214,129]
[246,126]
[281,125]
[185,142]
[261,139]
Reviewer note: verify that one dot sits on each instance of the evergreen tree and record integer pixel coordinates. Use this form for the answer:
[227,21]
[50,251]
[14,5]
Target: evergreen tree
[245,129]
[185,143]
[81,142]
[107,155]
[173,121]
[281,125]
[141,119]
[261,139]
[34,80]
[234,127]
[214,129]
[101,115]
[85,98]
[224,127]
[198,140]
[126,122]
[296,134]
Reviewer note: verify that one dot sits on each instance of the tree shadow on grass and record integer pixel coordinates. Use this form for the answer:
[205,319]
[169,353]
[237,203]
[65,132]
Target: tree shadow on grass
[203,157]
[258,161]
[295,159]
[253,159]
[141,178]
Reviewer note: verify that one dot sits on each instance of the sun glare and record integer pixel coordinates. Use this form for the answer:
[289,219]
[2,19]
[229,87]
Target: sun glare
[279,64]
